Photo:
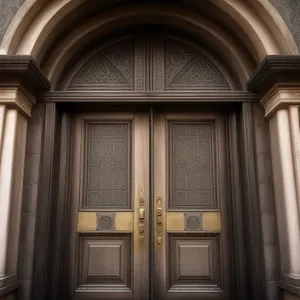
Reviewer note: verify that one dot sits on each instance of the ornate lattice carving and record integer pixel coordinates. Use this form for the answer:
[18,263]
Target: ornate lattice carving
[149,63]
[177,56]
[290,12]
[107,183]
[186,68]
[191,165]
[140,64]
[158,74]
[109,69]
[8,9]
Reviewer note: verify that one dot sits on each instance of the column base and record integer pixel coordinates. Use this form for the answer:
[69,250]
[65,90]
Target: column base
[290,289]
[290,296]
[8,284]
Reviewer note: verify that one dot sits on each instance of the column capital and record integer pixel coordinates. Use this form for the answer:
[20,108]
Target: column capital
[280,97]
[277,81]
[17,98]
[21,80]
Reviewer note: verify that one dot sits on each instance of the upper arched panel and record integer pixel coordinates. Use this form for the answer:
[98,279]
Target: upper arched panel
[140,63]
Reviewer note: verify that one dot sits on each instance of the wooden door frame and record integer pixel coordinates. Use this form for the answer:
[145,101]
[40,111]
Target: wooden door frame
[52,210]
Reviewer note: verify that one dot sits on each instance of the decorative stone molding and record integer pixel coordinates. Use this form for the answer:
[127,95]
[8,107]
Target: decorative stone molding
[277,80]
[17,98]
[279,98]
[20,81]
[22,70]
[275,70]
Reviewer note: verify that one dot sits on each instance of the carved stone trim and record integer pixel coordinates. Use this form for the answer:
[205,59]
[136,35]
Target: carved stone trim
[289,287]
[279,98]
[149,97]
[274,70]
[7,280]
[17,98]
[22,70]
[140,64]
[291,279]
[8,288]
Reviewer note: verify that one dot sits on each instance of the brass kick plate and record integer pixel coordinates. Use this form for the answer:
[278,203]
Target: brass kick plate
[199,221]
[105,221]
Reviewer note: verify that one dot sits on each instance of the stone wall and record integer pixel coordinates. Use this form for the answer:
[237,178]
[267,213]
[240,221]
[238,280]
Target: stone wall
[30,193]
[290,13]
[8,9]
[267,202]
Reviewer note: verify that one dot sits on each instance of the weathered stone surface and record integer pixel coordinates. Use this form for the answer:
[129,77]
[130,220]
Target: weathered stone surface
[290,12]
[8,9]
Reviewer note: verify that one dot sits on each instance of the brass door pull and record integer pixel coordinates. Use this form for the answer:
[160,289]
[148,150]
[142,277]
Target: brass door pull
[141,225]
[142,214]
[159,223]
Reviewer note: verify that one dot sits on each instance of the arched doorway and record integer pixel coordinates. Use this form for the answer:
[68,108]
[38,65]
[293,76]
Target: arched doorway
[187,75]
[147,207]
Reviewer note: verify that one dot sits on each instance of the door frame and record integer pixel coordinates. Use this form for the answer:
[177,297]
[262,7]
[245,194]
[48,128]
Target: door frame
[52,211]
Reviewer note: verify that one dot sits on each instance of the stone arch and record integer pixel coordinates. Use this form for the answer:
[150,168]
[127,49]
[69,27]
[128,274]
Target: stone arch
[244,32]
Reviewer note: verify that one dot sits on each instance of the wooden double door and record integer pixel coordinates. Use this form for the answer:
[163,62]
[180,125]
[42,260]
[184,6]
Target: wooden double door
[149,206]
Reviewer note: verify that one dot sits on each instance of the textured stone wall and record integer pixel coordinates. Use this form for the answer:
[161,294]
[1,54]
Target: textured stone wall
[290,12]
[30,192]
[8,9]
[267,202]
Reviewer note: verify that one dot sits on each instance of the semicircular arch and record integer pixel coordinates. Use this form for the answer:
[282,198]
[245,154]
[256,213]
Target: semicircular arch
[41,22]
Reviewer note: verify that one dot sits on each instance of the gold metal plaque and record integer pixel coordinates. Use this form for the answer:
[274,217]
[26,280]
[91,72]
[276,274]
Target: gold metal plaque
[124,221]
[87,221]
[211,221]
[175,221]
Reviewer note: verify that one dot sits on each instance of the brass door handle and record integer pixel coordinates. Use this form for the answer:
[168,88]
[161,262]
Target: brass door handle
[142,214]
[159,223]
[141,225]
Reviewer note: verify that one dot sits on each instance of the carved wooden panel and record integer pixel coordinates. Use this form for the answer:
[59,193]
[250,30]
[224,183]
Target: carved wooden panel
[191,165]
[165,64]
[107,165]
[194,262]
[104,262]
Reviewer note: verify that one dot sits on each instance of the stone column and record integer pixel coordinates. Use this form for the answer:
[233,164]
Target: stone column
[15,108]
[281,107]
